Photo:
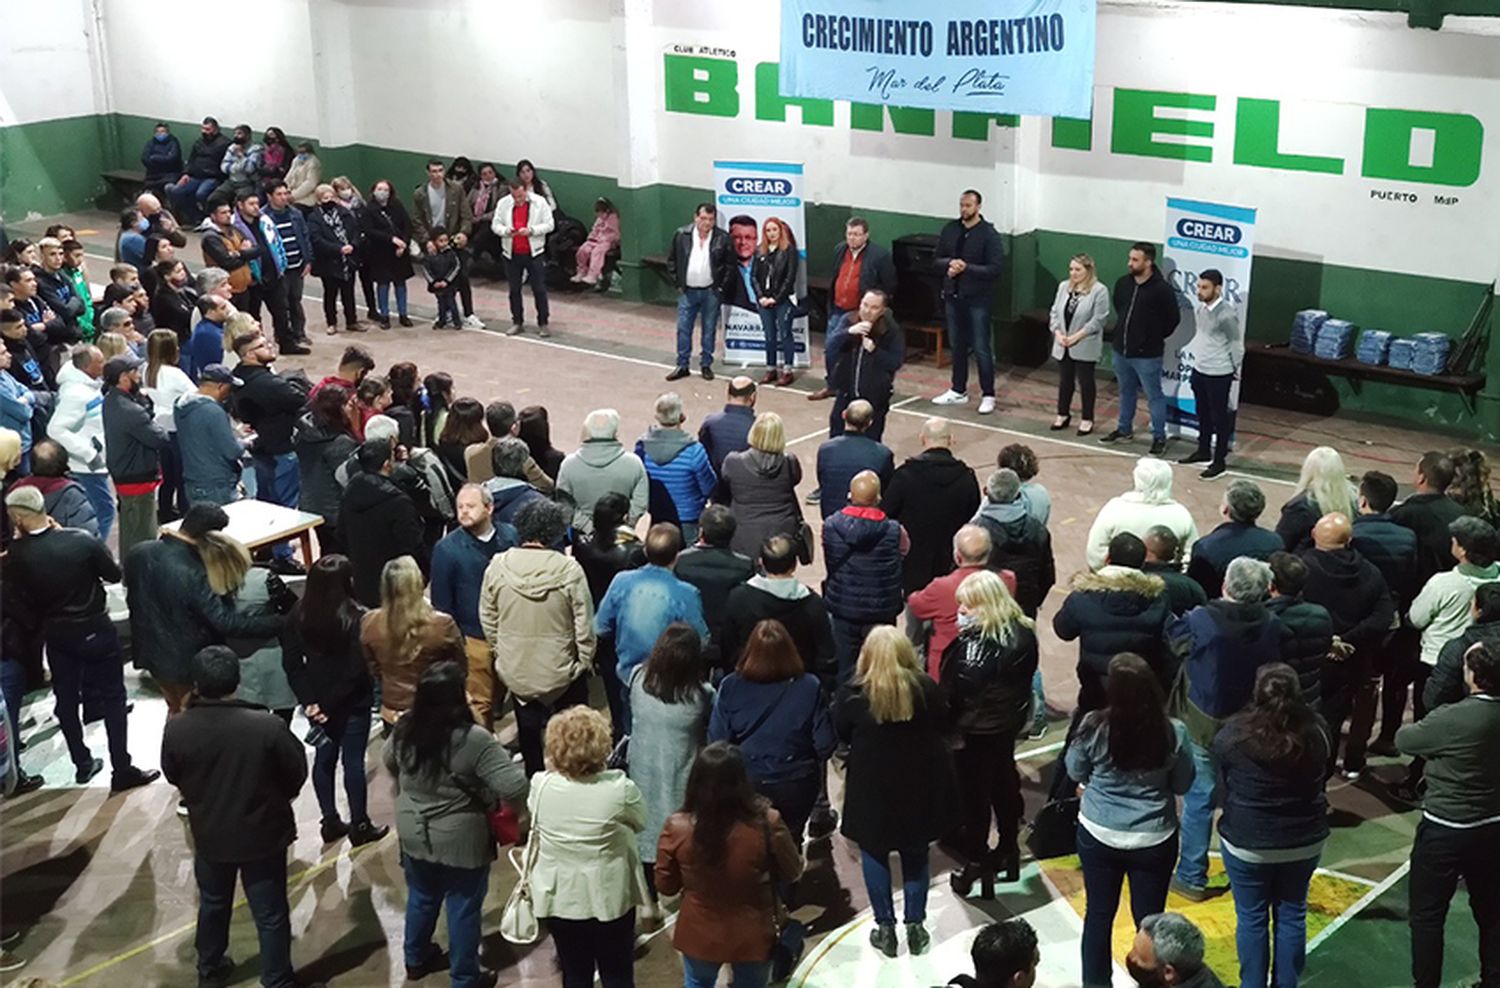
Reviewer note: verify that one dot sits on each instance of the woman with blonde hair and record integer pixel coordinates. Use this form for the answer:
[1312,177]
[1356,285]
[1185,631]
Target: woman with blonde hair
[404,636]
[586,880]
[759,485]
[253,591]
[774,273]
[1323,487]
[164,383]
[900,793]
[1077,324]
[111,345]
[237,325]
[986,676]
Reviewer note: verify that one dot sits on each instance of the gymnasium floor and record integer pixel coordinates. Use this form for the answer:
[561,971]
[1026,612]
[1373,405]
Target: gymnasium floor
[102,887]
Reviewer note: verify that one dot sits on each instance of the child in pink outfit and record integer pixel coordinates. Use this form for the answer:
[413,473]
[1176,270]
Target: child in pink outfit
[603,238]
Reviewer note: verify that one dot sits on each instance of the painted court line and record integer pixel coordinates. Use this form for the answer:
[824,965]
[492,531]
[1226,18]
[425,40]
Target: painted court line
[1358,907]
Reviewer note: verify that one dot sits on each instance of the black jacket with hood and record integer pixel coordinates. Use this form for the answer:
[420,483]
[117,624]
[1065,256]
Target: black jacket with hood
[377,523]
[1309,635]
[1117,609]
[1020,543]
[932,495]
[320,452]
[1354,593]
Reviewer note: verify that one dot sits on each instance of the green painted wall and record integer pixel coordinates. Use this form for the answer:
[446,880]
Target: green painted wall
[53,166]
[1038,259]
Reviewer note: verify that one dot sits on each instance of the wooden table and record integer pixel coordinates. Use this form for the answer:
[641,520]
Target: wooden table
[260,523]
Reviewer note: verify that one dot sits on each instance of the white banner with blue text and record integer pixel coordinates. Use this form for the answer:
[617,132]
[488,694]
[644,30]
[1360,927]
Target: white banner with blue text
[1200,236]
[747,193]
[1031,57]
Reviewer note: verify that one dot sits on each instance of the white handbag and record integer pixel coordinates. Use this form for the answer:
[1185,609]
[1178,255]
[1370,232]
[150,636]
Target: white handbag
[518,923]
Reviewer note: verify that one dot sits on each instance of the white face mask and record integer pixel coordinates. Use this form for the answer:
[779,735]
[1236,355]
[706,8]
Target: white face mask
[382,196]
[967,621]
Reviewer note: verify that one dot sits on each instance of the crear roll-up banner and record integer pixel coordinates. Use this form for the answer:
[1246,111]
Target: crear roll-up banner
[759,190]
[1201,235]
[983,56]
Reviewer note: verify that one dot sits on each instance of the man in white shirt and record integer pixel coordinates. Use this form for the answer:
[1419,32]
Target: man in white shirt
[697,262]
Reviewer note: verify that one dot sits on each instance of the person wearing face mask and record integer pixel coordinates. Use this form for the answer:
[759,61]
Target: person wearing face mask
[986,673]
[387,232]
[131,247]
[275,158]
[335,236]
[203,172]
[487,192]
[1168,951]
[304,177]
[241,167]
[162,158]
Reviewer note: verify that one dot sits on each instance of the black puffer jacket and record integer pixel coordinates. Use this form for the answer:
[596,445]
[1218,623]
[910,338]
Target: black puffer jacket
[1305,645]
[320,452]
[988,684]
[173,613]
[1445,684]
[1115,610]
[378,522]
[932,495]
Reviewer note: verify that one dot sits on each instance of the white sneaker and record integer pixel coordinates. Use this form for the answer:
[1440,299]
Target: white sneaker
[986,404]
[473,322]
[951,397]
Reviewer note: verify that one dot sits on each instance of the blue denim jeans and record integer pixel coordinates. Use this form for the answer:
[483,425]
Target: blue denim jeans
[1133,374]
[705,974]
[13,686]
[278,481]
[96,488]
[1039,702]
[189,200]
[383,296]
[447,306]
[969,329]
[350,739]
[776,323]
[916,874]
[1198,817]
[211,494]
[534,269]
[691,304]
[265,890]
[1262,891]
[430,886]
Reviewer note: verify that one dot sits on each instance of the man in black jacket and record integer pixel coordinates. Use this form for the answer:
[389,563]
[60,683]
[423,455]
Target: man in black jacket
[1429,512]
[54,581]
[1146,313]
[715,569]
[1018,541]
[1239,535]
[378,521]
[54,287]
[204,171]
[932,495]
[270,404]
[1392,547]
[1183,592]
[969,258]
[238,769]
[1359,602]
[865,356]
[698,262]
[133,442]
[776,594]
[1309,628]
[858,267]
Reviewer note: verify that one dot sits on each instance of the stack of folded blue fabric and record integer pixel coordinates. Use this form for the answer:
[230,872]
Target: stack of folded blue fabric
[1334,339]
[1305,329]
[1372,347]
[1401,354]
[1430,352]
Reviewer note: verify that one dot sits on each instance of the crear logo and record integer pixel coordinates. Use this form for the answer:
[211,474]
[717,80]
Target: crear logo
[745,186]
[1219,233]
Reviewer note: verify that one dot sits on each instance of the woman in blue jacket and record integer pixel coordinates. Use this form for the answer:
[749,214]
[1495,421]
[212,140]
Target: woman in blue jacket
[1274,824]
[1133,762]
[774,710]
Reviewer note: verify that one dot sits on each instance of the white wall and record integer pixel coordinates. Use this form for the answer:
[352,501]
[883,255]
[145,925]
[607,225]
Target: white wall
[46,66]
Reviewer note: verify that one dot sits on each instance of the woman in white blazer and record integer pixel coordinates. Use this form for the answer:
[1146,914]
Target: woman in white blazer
[1077,324]
[587,878]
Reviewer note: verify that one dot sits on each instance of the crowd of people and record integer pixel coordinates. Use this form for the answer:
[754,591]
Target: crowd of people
[472,577]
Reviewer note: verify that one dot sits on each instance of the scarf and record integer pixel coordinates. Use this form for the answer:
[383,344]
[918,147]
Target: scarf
[333,217]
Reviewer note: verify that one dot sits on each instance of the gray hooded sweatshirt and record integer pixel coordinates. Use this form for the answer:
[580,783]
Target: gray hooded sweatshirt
[598,467]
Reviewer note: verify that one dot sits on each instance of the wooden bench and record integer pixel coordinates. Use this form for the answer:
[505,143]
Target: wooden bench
[1281,357]
[931,342]
[125,183]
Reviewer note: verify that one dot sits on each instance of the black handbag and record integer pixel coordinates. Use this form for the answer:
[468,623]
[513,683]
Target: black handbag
[791,934]
[1054,832]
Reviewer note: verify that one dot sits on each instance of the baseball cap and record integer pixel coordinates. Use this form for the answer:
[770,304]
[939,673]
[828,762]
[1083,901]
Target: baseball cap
[219,374]
[120,363]
[26,498]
